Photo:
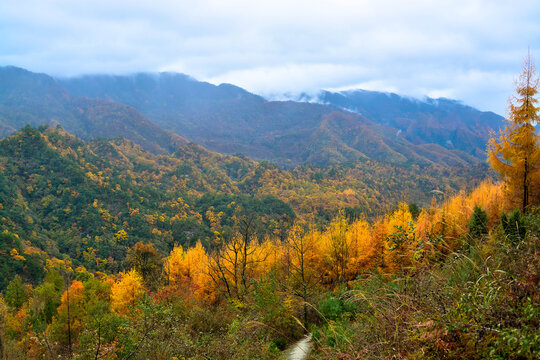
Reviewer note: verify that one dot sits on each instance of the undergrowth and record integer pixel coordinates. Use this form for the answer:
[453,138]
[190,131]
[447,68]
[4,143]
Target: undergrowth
[482,302]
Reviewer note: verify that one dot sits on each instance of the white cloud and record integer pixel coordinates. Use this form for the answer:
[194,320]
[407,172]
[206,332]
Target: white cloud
[290,77]
[468,49]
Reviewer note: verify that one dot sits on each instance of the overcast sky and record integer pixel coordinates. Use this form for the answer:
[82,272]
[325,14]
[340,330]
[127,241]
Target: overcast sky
[463,49]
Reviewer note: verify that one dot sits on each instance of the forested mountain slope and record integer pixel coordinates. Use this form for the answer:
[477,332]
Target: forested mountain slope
[91,200]
[231,120]
[445,122]
[228,119]
[36,99]
[243,275]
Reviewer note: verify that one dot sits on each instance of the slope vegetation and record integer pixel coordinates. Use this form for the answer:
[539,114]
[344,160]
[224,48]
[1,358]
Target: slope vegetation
[67,196]
[228,119]
[36,99]
[444,122]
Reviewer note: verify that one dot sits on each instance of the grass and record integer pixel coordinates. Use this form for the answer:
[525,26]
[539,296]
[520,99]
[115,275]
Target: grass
[480,303]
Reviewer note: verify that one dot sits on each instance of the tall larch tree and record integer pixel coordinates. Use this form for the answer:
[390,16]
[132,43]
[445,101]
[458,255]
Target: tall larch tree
[515,154]
[126,291]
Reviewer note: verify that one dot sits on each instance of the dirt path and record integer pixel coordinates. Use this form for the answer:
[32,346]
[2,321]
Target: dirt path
[300,349]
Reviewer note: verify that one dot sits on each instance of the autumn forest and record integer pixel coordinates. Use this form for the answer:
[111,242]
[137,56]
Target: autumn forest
[117,248]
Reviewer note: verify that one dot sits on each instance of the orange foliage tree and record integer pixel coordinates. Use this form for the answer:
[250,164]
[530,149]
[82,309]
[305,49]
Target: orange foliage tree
[69,322]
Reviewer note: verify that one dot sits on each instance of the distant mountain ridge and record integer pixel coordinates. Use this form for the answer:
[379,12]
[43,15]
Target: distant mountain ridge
[230,120]
[36,99]
[442,121]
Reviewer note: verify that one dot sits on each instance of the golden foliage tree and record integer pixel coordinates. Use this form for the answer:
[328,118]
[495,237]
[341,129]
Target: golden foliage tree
[337,247]
[126,291]
[303,255]
[189,269]
[69,322]
[363,248]
[174,265]
[515,154]
[401,242]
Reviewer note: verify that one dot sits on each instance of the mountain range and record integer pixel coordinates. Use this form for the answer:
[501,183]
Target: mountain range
[164,111]
[28,98]
[441,121]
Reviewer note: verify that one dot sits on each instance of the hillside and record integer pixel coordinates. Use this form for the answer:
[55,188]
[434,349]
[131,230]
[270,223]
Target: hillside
[65,196]
[102,275]
[110,249]
[36,99]
[444,122]
[230,120]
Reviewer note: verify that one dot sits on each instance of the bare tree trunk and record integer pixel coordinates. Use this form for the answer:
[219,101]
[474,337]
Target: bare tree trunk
[525,188]
[99,341]
[221,272]
[304,285]
[246,236]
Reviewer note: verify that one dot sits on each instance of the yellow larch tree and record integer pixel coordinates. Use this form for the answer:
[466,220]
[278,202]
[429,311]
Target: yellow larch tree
[337,248]
[302,252]
[425,232]
[379,231]
[363,248]
[174,265]
[126,291]
[489,196]
[238,260]
[190,270]
[400,243]
[515,154]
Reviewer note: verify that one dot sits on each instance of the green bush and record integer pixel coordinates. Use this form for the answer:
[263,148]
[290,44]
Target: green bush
[514,226]
[331,308]
[478,223]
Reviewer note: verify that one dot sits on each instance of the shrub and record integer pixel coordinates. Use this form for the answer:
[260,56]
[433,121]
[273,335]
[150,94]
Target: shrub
[331,308]
[478,223]
[514,226]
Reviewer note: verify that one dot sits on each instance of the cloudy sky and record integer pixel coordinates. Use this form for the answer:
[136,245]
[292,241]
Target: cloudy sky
[471,50]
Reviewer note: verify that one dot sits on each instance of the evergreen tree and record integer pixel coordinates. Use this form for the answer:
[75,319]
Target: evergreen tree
[146,260]
[414,210]
[478,222]
[514,226]
[16,293]
[516,153]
